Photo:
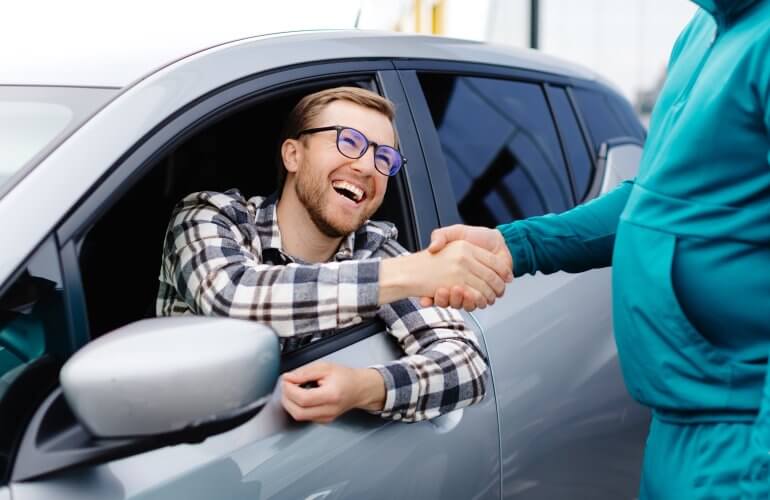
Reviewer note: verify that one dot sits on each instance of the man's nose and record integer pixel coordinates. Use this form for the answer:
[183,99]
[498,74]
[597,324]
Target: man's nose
[365,164]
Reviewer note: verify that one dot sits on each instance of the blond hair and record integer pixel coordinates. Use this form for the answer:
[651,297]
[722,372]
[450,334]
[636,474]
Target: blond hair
[309,107]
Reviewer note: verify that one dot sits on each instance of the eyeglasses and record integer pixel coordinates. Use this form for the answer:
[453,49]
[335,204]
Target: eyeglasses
[353,144]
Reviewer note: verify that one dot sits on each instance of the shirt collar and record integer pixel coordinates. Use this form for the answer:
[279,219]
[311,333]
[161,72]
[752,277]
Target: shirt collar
[266,220]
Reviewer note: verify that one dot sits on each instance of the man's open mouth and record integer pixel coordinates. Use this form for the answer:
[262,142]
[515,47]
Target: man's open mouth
[349,191]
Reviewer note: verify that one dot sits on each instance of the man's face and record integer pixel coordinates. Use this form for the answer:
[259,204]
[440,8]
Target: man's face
[340,193]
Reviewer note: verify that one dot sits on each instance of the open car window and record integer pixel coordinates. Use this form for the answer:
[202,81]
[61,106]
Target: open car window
[236,149]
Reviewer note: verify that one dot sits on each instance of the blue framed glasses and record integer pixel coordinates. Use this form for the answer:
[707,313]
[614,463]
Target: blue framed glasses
[353,144]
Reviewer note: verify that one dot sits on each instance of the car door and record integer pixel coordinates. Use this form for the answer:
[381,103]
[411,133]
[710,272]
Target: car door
[568,428]
[270,456]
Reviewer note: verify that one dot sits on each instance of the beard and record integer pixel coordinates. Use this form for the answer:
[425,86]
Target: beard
[310,192]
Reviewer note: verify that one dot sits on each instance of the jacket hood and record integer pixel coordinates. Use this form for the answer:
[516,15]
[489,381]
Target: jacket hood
[724,10]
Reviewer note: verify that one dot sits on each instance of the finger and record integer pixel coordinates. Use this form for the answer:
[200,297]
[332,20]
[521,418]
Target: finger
[481,292]
[499,264]
[426,301]
[313,414]
[473,299]
[307,373]
[482,269]
[442,297]
[469,302]
[506,256]
[303,397]
[484,280]
[457,295]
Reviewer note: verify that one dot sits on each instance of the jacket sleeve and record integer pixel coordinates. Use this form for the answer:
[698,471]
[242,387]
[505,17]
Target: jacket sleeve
[577,240]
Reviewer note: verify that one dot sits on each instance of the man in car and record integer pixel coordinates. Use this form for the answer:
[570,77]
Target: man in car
[308,261]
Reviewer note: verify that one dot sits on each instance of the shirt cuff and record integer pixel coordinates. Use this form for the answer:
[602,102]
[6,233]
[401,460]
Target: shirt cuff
[519,247]
[398,390]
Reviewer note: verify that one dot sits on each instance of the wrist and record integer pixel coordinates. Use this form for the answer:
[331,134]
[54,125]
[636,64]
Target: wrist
[395,279]
[371,389]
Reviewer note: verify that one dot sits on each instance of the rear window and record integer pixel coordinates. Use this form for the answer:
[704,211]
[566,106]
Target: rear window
[607,116]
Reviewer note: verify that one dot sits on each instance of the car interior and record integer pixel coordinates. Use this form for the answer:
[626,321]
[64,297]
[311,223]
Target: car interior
[120,256]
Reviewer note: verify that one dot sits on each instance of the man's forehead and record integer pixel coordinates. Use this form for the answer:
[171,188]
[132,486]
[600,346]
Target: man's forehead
[350,114]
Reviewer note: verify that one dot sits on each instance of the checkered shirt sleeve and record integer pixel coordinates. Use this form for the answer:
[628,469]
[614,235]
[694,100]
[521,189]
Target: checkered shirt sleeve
[212,266]
[444,369]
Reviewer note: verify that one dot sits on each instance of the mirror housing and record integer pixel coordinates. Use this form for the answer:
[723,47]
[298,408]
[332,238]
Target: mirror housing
[165,374]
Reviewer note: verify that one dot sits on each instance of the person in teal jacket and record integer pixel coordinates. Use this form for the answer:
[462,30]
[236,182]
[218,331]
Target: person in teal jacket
[689,243]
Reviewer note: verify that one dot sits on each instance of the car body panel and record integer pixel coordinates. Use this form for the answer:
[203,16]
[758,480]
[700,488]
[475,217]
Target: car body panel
[357,456]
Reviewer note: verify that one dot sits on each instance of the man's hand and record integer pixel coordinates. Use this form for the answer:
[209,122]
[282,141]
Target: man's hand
[489,239]
[330,390]
[479,272]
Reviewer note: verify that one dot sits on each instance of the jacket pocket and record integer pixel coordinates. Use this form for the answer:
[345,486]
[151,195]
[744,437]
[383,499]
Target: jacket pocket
[667,363]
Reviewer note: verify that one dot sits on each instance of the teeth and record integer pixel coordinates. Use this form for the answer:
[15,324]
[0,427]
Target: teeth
[357,192]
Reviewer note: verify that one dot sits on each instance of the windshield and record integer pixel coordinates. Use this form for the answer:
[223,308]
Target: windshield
[33,120]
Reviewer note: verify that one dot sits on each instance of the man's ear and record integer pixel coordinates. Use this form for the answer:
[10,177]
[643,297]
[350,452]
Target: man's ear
[291,154]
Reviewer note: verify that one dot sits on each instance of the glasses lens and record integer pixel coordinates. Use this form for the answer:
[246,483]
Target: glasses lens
[351,143]
[387,160]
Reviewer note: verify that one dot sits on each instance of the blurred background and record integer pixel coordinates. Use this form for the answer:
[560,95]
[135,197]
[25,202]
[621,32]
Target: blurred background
[626,41]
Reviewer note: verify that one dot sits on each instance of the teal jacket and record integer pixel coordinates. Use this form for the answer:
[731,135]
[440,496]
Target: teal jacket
[689,238]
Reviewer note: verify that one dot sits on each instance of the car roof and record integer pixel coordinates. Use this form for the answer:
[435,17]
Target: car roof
[118,62]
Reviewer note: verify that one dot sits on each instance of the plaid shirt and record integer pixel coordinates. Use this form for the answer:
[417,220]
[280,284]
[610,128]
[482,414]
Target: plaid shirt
[222,256]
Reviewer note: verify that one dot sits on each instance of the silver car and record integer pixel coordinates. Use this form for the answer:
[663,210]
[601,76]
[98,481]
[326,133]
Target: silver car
[91,165]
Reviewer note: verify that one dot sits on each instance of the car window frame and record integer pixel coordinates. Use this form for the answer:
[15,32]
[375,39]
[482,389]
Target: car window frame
[140,158]
[598,156]
[442,187]
[549,89]
[61,350]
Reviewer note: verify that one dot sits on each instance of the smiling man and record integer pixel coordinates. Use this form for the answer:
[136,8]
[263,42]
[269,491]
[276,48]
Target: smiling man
[308,261]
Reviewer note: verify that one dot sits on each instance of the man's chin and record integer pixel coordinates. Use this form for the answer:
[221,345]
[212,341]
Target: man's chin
[338,229]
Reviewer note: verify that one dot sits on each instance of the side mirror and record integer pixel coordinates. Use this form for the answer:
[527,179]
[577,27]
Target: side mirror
[150,384]
[162,375]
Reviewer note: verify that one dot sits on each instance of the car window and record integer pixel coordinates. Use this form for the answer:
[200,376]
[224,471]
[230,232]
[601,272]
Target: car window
[500,145]
[234,150]
[574,144]
[606,117]
[32,336]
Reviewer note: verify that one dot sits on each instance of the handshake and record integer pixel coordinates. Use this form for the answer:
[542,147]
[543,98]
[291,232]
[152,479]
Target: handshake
[464,267]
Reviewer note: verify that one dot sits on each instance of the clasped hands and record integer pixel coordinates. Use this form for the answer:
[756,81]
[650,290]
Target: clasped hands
[464,266]
[489,248]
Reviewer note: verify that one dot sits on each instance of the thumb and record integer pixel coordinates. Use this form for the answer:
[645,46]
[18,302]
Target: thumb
[437,241]
[313,371]
[443,235]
